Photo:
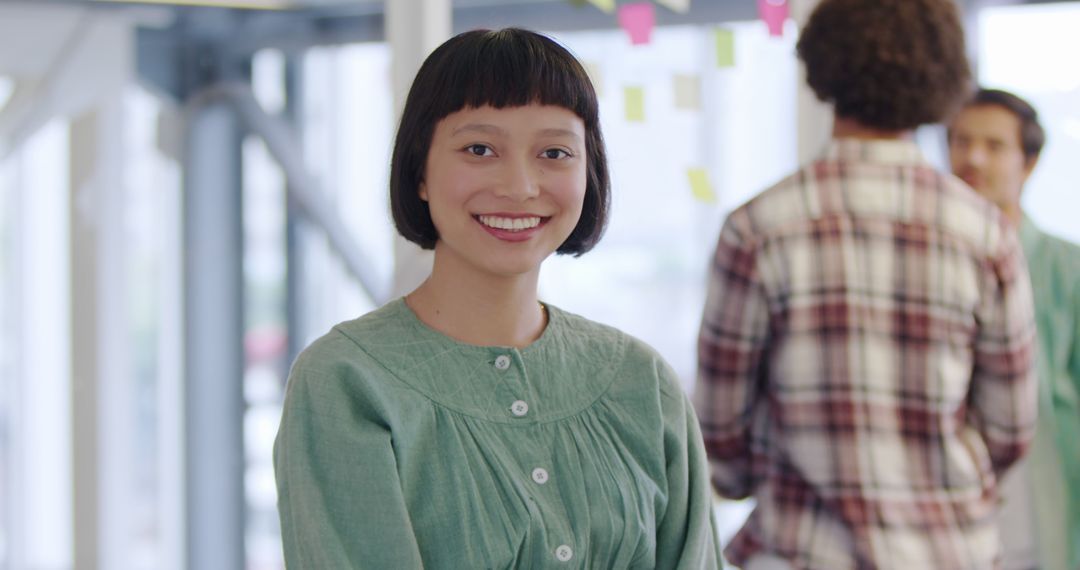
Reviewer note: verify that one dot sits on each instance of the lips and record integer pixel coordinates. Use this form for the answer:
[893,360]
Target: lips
[972,179]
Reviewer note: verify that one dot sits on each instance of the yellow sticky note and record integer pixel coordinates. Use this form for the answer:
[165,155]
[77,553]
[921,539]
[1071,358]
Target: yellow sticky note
[725,48]
[680,6]
[605,5]
[596,76]
[635,103]
[687,92]
[699,185]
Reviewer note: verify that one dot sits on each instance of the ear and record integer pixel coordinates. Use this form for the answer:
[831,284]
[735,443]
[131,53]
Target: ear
[1029,166]
[423,192]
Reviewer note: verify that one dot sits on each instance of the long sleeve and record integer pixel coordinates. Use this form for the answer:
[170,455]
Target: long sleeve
[1004,393]
[339,495]
[1069,394]
[686,536]
[731,342]
[1072,392]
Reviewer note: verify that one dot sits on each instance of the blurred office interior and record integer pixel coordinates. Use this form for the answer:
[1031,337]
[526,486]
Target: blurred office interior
[190,192]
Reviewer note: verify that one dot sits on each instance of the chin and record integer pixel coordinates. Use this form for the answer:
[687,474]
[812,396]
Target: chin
[513,267]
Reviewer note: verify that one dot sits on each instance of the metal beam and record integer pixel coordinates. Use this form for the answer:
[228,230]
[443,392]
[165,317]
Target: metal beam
[283,146]
[77,76]
[240,33]
[566,17]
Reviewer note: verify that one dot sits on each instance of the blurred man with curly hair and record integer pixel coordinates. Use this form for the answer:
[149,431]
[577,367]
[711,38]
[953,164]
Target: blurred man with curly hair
[866,355]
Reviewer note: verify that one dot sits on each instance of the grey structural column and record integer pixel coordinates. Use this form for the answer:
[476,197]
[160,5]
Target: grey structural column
[213,336]
[294,221]
[102,384]
[101,377]
[413,29]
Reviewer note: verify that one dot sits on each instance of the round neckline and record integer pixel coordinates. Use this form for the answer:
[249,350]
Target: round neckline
[553,316]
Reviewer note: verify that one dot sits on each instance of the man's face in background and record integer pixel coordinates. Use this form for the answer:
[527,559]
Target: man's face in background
[985,151]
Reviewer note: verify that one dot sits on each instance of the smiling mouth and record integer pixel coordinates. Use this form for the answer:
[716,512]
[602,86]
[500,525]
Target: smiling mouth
[519,224]
[971,179]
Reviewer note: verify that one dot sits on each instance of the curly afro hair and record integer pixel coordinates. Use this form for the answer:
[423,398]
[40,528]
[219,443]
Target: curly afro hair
[889,64]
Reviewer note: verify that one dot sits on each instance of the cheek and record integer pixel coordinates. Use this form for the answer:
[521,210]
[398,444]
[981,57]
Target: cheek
[571,189]
[452,187]
[958,156]
[1008,173]
[955,162]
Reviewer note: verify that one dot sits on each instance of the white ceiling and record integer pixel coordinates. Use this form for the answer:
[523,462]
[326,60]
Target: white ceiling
[22,49]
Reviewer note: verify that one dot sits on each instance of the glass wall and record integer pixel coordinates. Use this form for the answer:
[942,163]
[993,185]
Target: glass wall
[706,137]
[689,136]
[1031,51]
[35,386]
[696,122]
[153,267]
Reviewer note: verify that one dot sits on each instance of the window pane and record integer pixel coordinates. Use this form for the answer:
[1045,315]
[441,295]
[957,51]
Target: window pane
[1031,50]
[647,276]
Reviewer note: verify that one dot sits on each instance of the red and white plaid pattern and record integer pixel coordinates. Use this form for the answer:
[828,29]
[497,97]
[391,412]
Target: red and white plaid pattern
[866,364]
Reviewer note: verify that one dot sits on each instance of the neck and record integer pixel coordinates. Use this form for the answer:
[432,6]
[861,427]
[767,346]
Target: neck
[1015,215]
[480,310]
[844,127]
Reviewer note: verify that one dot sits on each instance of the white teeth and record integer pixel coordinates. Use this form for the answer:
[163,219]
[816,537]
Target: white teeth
[511,224]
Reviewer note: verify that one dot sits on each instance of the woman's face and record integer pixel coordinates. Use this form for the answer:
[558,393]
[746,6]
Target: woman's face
[505,187]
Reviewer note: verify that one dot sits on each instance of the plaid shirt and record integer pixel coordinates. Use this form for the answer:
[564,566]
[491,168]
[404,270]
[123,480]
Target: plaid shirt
[866,364]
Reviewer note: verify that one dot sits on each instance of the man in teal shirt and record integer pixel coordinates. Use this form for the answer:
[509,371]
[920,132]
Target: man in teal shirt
[994,144]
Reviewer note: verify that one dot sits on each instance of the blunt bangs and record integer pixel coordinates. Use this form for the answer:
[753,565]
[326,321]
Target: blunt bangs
[509,69]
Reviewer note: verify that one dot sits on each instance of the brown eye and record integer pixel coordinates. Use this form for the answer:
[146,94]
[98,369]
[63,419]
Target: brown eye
[478,150]
[555,153]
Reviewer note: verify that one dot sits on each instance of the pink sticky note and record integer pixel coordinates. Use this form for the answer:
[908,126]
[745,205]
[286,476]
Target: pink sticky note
[774,13]
[638,20]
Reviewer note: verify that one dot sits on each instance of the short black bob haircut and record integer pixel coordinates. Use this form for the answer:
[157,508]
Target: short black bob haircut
[888,64]
[504,68]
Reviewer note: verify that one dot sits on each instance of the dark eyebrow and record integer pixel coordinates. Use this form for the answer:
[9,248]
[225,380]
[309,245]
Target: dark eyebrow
[560,133]
[479,128]
[494,130]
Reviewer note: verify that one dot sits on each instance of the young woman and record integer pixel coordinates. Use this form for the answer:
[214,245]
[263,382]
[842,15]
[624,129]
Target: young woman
[468,425]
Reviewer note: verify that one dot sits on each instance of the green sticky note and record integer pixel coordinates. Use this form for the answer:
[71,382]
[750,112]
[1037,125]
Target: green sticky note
[699,185]
[605,5]
[725,48]
[635,103]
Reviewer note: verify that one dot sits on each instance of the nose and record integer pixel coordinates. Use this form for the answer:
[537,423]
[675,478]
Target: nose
[975,155]
[520,180]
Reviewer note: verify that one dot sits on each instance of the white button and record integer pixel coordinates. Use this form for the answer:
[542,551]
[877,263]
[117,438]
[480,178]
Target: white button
[564,553]
[540,475]
[519,408]
[502,362]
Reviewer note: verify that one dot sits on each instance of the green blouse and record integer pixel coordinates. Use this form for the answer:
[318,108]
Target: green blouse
[1055,455]
[401,448]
